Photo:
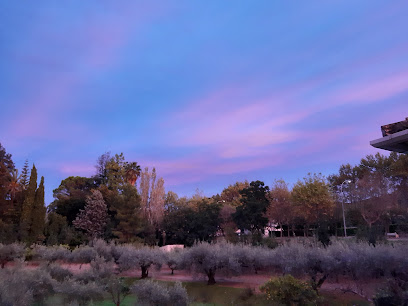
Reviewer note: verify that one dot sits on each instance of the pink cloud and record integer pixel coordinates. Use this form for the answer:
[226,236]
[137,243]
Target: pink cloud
[97,42]
[374,90]
[77,169]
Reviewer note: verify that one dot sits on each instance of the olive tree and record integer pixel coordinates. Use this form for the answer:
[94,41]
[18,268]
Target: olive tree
[205,258]
[142,258]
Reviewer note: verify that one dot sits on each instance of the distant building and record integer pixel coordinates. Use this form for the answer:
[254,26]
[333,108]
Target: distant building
[395,137]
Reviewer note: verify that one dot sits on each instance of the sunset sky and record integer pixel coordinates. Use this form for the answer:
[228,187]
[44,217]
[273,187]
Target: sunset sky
[208,92]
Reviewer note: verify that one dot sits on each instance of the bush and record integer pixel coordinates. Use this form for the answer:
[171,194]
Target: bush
[51,253]
[10,252]
[152,293]
[19,286]
[287,290]
[73,290]
[83,254]
[58,273]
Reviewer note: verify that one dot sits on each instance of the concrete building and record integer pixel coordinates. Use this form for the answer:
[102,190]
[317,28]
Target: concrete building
[395,137]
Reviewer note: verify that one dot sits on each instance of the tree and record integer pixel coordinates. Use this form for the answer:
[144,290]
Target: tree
[6,168]
[25,175]
[132,172]
[399,176]
[208,259]
[142,258]
[251,214]
[232,194]
[280,209]
[184,224]
[94,217]
[128,215]
[153,197]
[227,224]
[38,214]
[312,199]
[14,185]
[27,209]
[56,229]
[70,196]
[115,172]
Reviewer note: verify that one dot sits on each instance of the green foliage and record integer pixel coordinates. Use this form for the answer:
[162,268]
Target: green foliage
[185,225]
[232,194]
[70,196]
[251,214]
[27,209]
[312,199]
[142,258]
[93,218]
[10,252]
[56,229]
[38,215]
[20,286]
[395,293]
[51,254]
[153,293]
[207,259]
[287,290]
[128,215]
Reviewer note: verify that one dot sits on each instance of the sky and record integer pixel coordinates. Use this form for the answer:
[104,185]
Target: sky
[208,92]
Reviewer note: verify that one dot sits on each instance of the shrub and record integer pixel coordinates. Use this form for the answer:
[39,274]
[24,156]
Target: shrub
[19,286]
[58,273]
[152,293]
[287,290]
[103,249]
[83,254]
[10,252]
[51,253]
[73,290]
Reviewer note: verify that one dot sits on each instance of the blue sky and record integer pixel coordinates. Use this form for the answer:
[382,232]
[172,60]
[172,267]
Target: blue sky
[207,92]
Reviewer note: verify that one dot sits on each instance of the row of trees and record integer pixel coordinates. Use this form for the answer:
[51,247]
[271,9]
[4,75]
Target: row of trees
[22,207]
[348,264]
[124,203]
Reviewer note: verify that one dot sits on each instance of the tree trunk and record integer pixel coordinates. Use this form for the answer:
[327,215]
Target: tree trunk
[145,272]
[211,275]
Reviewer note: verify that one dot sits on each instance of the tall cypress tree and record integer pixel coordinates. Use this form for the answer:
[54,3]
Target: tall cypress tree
[38,215]
[26,213]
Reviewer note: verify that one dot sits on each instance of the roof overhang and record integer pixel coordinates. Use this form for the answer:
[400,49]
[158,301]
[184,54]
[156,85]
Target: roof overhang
[397,142]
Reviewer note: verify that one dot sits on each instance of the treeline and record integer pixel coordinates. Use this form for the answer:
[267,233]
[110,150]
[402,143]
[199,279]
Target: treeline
[124,203]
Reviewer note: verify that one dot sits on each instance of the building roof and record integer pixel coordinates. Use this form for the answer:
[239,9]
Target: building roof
[395,137]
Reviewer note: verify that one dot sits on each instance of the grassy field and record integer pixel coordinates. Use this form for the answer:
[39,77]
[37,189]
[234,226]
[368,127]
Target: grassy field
[202,294]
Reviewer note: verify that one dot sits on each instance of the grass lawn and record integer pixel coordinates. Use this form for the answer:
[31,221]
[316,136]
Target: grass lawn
[202,294]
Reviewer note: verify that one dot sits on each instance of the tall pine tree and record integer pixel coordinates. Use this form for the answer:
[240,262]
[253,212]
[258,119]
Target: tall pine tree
[24,175]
